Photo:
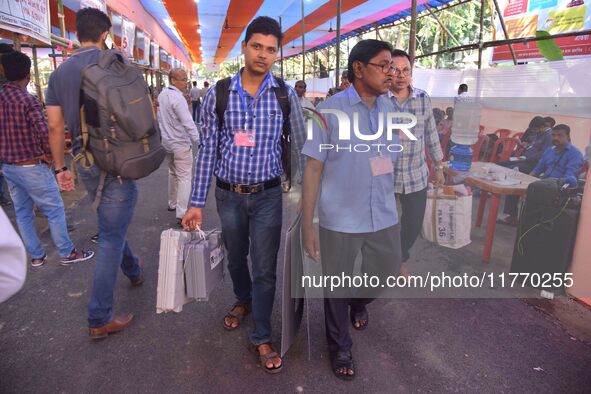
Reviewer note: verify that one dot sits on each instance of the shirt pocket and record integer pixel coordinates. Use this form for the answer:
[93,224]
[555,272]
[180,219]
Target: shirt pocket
[270,124]
[234,120]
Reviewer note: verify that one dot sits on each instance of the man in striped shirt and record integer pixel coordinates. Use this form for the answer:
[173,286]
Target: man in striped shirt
[245,156]
[412,173]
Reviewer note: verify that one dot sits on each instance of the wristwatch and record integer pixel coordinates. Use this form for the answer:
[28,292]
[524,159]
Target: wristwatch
[64,168]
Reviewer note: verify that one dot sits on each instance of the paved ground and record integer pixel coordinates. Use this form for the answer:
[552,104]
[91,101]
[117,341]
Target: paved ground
[412,345]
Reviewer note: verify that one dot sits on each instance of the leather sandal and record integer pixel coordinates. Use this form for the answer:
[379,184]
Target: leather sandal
[234,314]
[358,317]
[265,358]
[340,361]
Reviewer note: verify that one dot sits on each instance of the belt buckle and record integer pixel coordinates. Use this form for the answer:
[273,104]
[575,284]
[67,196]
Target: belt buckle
[239,189]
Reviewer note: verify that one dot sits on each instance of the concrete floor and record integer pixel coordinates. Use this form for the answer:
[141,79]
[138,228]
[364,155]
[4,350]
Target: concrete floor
[412,345]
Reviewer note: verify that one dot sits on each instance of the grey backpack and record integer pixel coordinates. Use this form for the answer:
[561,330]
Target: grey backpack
[120,132]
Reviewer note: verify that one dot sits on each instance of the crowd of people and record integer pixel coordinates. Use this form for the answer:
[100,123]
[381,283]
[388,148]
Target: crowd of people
[242,129]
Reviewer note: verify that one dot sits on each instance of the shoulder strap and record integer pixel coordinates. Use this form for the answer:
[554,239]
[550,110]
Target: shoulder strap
[222,92]
[283,97]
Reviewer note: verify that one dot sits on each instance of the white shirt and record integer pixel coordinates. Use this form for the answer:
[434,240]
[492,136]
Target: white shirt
[195,93]
[176,124]
[13,260]
[306,103]
[202,93]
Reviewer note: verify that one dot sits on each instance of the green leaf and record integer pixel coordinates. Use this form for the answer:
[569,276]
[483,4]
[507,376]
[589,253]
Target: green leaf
[548,48]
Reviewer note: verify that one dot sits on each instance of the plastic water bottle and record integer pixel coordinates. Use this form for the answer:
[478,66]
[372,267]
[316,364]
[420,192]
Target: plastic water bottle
[466,123]
[460,157]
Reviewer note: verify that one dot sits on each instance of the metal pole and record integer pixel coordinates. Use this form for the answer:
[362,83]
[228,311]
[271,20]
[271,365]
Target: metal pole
[502,20]
[412,41]
[338,48]
[62,21]
[37,78]
[281,50]
[53,57]
[303,44]
[16,42]
[480,31]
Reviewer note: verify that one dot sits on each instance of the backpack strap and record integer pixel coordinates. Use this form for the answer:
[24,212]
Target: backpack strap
[282,96]
[222,93]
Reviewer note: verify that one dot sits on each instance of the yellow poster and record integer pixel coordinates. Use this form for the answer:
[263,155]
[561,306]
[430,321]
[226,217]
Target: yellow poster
[522,27]
[570,19]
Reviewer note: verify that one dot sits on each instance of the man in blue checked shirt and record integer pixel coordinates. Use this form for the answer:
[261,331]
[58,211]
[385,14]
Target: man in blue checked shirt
[245,156]
[412,173]
[357,206]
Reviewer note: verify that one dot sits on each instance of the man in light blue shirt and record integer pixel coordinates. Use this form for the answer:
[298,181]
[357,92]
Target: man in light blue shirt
[357,207]
[179,132]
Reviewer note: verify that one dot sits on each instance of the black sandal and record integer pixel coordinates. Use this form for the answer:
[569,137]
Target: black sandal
[238,316]
[264,358]
[358,317]
[342,360]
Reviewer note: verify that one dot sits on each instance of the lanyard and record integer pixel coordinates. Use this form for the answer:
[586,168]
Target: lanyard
[256,97]
[374,122]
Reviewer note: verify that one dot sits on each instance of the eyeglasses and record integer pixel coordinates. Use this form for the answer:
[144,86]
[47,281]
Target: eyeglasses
[389,66]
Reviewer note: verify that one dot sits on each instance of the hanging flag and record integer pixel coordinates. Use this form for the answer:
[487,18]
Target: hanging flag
[147,48]
[156,56]
[127,37]
[98,4]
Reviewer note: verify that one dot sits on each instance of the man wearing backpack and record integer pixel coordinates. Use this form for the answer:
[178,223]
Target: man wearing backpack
[119,196]
[242,126]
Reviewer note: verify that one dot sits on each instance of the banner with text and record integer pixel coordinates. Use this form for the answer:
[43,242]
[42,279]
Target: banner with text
[30,18]
[524,17]
[127,37]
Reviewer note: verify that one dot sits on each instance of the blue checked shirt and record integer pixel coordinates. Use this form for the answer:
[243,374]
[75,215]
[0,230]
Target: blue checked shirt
[240,164]
[412,173]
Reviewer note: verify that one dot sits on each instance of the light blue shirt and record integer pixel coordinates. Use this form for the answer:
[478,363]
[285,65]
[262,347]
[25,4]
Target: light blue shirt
[352,200]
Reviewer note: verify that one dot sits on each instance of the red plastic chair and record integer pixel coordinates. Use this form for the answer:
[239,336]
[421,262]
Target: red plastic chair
[518,135]
[508,145]
[477,147]
[584,170]
[503,133]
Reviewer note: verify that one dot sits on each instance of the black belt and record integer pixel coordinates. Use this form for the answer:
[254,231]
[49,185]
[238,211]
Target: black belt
[248,189]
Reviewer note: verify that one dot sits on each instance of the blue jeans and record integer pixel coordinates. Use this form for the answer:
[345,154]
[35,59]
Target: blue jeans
[115,212]
[253,220]
[36,186]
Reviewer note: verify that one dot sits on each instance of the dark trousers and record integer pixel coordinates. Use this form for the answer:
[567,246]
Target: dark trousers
[411,220]
[195,112]
[512,202]
[380,253]
[252,223]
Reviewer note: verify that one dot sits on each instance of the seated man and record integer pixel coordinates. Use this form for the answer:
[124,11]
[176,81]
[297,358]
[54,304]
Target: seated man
[534,150]
[562,160]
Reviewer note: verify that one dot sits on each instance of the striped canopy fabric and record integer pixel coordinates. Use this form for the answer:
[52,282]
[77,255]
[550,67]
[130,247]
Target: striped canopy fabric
[212,30]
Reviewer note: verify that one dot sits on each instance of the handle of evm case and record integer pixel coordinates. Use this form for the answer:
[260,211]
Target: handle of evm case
[199,232]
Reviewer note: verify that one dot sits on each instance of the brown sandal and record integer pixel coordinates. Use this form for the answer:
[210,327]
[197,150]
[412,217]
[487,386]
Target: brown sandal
[236,315]
[264,358]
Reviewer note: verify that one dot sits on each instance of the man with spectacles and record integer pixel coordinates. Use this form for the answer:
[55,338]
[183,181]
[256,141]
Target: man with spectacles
[412,173]
[178,134]
[354,193]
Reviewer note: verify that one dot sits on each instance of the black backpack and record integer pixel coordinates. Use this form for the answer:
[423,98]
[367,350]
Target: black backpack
[222,93]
